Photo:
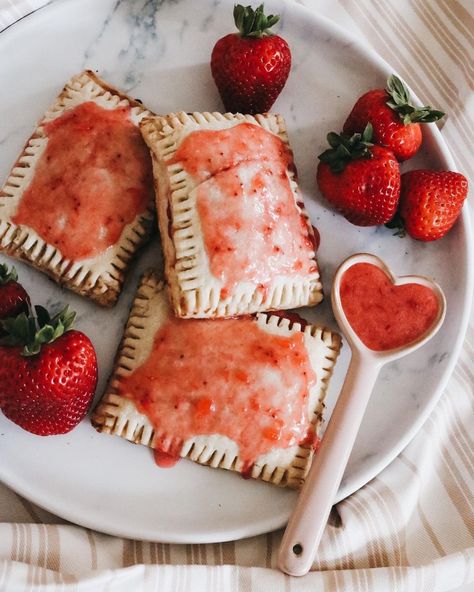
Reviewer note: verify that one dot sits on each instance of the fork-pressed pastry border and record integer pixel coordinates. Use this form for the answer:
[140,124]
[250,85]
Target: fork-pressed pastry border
[118,415]
[194,291]
[99,278]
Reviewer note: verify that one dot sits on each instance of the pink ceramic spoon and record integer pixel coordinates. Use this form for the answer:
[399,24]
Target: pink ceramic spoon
[307,522]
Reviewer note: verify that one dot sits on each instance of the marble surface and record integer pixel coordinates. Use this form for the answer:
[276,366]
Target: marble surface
[159,52]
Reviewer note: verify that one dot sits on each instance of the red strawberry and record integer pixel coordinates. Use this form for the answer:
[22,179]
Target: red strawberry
[251,67]
[48,375]
[396,121]
[360,179]
[13,297]
[430,202]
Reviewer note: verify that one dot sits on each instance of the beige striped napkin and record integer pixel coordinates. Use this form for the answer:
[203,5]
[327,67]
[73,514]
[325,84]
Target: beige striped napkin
[412,527]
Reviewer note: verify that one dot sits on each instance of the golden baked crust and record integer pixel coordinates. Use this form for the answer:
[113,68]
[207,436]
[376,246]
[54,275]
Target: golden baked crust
[193,290]
[116,414]
[99,278]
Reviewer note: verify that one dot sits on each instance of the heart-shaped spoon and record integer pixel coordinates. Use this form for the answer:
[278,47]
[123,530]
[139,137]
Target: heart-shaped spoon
[383,318]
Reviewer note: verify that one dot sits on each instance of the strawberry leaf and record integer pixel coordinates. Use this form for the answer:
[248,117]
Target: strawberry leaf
[367,134]
[333,139]
[65,317]
[7,276]
[346,148]
[253,23]
[239,12]
[426,115]
[18,330]
[59,330]
[398,91]
[397,223]
[32,332]
[42,315]
[272,19]
[44,335]
[400,102]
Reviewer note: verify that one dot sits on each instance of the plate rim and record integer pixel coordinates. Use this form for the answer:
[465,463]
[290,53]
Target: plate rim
[372,57]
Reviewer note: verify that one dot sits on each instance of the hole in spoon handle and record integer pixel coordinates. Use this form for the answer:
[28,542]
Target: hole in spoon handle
[297,549]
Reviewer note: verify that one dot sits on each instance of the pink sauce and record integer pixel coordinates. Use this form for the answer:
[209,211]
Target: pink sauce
[252,228]
[204,153]
[164,460]
[225,377]
[385,316]
[93,179]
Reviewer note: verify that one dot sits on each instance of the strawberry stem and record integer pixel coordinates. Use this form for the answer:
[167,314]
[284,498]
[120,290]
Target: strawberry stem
[253,23]
[397,224]
[346,148]
[400,101]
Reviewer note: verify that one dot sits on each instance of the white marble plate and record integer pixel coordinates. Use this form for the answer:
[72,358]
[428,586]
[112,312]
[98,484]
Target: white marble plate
[159,52]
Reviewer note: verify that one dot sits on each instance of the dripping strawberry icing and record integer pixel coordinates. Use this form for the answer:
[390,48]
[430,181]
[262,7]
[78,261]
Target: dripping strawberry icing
[226,377]
[164,460]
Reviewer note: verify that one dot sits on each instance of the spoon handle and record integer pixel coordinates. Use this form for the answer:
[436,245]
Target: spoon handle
[307,522]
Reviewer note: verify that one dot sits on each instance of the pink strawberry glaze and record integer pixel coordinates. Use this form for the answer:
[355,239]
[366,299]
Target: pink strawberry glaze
[164,460]
[385,316]
[251,226]
[204,153]
[93,179]
[224,377]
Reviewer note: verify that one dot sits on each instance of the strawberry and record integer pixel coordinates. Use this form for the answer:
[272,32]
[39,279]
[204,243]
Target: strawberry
[48,372]
[13,297]
[250,68]
[396,121]
[430,202]
[360,179]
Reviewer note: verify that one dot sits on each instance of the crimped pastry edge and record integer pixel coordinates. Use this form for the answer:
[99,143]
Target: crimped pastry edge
[117,415]
[19,241]
[184,253]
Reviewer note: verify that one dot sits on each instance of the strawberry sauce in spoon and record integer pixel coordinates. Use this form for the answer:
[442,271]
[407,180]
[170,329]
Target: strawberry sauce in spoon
[383,318]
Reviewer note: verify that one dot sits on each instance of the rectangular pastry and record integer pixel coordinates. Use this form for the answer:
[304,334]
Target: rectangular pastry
[244,394]
[78,202]
[235,234]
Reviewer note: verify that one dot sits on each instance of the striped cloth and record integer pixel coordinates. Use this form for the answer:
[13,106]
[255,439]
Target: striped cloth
[412,527]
